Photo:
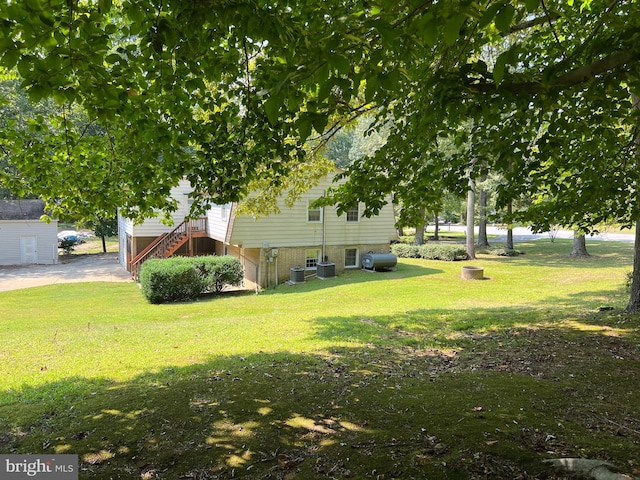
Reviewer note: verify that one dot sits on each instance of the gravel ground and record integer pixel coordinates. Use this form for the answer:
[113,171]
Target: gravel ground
[72,269]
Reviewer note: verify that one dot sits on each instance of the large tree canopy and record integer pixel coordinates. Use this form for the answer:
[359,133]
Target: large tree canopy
[226,92]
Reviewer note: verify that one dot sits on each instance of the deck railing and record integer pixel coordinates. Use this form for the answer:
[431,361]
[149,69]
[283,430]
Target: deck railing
[167,243]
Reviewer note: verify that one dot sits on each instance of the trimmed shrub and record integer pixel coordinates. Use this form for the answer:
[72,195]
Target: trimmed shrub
[430,251]
[186,278]
[404,250]
[504,252]
[218,272]
[442,251]
[170,280]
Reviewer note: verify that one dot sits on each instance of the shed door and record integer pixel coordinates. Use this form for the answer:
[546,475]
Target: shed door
[28,249]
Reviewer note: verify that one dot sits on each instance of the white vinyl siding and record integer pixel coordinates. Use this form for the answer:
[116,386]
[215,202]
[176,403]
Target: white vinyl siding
[152,227]
[217,221]
[289,228]
[41,237]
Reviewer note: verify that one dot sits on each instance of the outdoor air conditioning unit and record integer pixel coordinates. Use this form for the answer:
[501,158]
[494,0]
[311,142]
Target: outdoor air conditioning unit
[325,270]
[297,275]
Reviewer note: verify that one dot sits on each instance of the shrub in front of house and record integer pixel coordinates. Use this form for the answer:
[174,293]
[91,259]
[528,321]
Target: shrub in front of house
[442,251]
[170,280]
[404,250]
[178,279]
[219,272]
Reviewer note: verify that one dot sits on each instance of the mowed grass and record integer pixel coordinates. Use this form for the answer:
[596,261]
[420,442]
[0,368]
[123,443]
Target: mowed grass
[414,373]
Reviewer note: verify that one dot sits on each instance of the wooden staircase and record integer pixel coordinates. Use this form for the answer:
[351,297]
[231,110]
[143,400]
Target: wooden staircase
[168,243]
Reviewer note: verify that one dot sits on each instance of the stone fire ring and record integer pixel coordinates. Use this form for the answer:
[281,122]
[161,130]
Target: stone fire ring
[472,273]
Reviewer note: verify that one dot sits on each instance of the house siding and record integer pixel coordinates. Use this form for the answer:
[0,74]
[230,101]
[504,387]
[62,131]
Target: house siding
[11,233]
[152,227]
[218,221]
[334,230]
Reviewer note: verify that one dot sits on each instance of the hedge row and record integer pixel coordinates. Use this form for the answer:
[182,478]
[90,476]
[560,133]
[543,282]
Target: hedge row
[430,251]
[186,278]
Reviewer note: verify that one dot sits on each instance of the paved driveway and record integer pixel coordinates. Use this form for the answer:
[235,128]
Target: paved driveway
[76,268]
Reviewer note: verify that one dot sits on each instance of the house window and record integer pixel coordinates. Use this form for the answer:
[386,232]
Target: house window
[312,257]
[314,215]
[350,257]
[353,214]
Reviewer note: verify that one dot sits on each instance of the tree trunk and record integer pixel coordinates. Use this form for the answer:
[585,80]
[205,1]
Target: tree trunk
[509,230]
[634,297]
[579,246]
[104,245]
[436,222]
[470,243]
[419,239]
[483,241]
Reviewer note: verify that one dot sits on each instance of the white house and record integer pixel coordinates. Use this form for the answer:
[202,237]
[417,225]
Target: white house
[268,247]
[24,238]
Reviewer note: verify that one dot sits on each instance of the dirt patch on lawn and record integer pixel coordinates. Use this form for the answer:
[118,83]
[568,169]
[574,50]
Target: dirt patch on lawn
[102,267]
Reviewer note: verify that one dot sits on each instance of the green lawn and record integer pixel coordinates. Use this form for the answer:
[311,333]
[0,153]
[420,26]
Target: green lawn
[414,373]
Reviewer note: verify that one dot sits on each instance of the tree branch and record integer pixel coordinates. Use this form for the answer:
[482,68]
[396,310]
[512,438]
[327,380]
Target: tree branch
[550,21]
[587,72]
[549,17]
[574,77]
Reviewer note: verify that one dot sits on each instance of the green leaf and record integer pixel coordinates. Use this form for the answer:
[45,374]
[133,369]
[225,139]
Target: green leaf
[504,17]
[452,28]
[113,58]
[498,69]
[489,14]
[371,88]
[272,108]
[430,33]
[320,123]
[34,5]
[304,128]
[386,30]
[104,5]
[531,5]
[10,58]
[342,64]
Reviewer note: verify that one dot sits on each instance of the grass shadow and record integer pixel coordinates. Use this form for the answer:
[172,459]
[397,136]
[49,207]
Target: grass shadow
[403,401]
[381,382]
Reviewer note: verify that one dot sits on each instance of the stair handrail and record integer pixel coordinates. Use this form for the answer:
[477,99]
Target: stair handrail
[149,247]
[158,247]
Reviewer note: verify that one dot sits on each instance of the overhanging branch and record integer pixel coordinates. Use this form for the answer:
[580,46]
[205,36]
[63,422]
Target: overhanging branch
[578,76]
[588,72]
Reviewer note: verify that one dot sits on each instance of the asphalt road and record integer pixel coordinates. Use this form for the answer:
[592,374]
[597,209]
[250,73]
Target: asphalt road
[523,234]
